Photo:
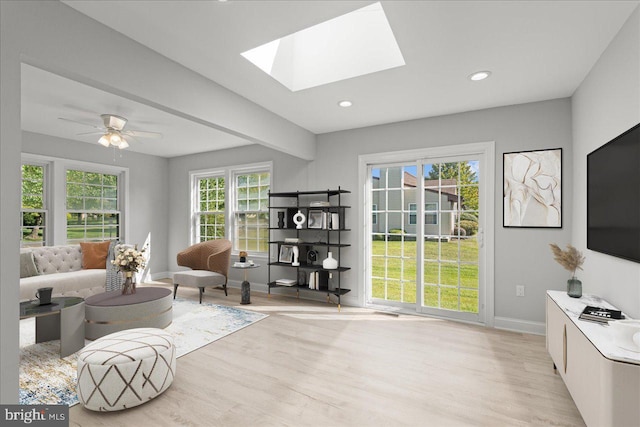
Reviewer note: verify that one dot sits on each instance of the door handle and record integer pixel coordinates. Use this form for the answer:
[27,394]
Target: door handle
[564,348]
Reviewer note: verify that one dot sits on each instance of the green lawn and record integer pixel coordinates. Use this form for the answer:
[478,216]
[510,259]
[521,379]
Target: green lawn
[398,260]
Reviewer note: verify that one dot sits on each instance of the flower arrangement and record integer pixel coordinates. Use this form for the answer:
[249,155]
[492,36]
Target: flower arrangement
[130,259]
[571,259]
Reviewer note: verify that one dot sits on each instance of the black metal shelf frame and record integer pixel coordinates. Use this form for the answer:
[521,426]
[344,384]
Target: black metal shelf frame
[333,238]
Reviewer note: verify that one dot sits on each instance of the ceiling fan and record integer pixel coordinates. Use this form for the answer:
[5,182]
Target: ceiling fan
[113,132]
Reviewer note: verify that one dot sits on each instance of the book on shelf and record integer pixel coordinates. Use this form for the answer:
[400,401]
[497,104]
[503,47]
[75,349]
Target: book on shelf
[286,282]
[600,314]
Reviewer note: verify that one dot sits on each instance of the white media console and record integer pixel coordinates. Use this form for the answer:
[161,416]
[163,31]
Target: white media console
[603,378]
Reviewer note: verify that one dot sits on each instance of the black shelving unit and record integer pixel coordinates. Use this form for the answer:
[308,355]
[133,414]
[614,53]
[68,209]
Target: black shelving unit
[325,238]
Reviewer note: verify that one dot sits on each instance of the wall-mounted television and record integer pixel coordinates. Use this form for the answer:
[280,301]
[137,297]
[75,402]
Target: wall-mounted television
[613,197]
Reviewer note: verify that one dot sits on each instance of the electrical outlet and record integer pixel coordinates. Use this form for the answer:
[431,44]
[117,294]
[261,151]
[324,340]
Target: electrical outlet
[519,290]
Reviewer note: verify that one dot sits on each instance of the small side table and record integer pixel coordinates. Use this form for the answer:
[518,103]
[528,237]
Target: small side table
[62,320]
[245,289]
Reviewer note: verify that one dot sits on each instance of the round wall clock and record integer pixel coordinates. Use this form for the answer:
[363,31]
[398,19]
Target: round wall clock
[312,256]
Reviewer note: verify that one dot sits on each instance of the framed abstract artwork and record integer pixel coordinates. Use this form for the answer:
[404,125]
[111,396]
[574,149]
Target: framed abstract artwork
[532,189]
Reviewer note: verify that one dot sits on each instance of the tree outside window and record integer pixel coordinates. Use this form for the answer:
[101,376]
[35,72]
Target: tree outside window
[92,206]
[34,211]
[251,211]
[210,213]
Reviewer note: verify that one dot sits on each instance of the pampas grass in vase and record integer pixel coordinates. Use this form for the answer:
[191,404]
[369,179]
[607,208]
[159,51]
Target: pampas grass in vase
[572,260]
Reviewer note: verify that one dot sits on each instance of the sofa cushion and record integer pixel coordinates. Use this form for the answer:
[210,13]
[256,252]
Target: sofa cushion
[58,259]
[81,283]
[94,255]
[27,265]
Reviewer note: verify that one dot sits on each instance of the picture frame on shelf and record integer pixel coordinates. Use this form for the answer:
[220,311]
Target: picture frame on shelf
[315,219]
[286,254]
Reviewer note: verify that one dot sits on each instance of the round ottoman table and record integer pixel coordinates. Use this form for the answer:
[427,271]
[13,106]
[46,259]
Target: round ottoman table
[125,369]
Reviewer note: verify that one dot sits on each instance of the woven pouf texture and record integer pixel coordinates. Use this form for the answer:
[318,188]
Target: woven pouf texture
[125,369]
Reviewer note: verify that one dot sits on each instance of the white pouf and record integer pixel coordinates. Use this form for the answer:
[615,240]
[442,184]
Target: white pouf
[125,369]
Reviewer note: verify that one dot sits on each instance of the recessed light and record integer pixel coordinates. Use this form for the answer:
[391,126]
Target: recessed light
[345,103]
[479,75]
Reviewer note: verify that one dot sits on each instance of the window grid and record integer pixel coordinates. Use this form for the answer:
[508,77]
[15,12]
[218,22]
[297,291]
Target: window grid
[430,213]
[251,215]
[33,214]
[210,216]
[393,264]
[92,205]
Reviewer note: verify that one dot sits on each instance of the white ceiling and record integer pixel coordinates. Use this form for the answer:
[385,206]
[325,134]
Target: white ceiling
[46,97]
[536,50]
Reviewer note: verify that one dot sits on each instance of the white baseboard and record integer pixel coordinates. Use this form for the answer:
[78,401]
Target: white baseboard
[517,325]
[161,275]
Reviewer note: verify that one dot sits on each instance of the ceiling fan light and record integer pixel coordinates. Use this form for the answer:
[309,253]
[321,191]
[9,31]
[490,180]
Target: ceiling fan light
[115,139]
[104,140]
[123,144]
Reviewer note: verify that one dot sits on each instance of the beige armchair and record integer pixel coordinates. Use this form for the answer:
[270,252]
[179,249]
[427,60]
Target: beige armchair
[209,263]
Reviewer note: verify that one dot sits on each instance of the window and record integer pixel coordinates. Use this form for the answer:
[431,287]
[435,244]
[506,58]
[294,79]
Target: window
[33,225]
[430,213]
[92,206]
[210,208]
[412,213]
[374,218]
[232,203]
[251,211]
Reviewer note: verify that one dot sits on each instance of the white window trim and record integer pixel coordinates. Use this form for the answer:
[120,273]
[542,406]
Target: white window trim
[46,197]
[194,177]
[229,173]
[487,236]
[56,192]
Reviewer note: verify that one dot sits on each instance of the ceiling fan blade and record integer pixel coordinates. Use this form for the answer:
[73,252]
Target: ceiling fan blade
[142,134]
[81,123]
[91,133]
[130,138]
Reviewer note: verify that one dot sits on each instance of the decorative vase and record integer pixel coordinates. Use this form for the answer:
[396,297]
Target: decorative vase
[280,219]
[330,263]
[299,219]
[574,287]
[129,286]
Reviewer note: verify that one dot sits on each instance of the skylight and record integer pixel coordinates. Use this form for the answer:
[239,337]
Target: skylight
[357,43]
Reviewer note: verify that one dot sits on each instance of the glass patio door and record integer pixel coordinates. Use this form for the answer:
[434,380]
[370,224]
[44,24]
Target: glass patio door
[452,233]
[425,249]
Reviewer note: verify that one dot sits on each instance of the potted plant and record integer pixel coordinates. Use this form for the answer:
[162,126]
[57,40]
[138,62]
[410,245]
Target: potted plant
[129,261]
[572,260]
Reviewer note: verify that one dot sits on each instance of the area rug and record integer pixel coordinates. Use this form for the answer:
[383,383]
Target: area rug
[45,378]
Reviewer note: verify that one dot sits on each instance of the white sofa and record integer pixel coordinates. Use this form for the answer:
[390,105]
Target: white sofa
[60,267]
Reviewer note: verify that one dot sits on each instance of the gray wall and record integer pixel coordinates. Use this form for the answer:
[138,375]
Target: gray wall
[289,174]
[606,104]
[148,183]
[522,256]
[56,38]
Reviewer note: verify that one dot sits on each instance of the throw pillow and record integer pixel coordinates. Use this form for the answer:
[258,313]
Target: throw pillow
[28,265]
[94,255]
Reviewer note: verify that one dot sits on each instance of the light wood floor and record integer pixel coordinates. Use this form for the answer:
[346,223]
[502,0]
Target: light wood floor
[308,365]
